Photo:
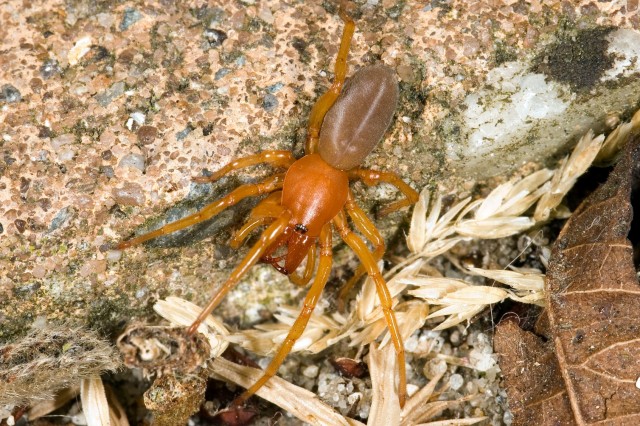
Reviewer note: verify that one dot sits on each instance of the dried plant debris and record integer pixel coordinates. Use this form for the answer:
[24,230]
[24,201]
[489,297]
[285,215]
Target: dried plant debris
[504,212]
[180,312]
[99,405]
[510,209]
[588,371]
[300,402]
[48,360]
[172,400]
[159,350]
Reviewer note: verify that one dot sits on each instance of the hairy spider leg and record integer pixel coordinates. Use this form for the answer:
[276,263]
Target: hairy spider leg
[270,184]
[327,100]
[266,238]
[386,302]
[264,213]
[274,157]
[310,301]
[369,230]
[374,177]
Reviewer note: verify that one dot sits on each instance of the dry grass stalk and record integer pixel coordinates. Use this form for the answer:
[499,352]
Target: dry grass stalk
[459,300]
[616,139]
[47,406]
[571,168]
[303,404]
[385,407]
[420,407]
[94,402]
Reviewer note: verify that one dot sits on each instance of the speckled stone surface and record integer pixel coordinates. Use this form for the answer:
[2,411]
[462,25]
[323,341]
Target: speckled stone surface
[107,110]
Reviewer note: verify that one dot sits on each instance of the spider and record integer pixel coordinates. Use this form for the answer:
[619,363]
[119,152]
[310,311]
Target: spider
[312,198]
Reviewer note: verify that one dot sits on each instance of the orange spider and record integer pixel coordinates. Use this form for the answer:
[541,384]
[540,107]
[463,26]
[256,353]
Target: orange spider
[313,194]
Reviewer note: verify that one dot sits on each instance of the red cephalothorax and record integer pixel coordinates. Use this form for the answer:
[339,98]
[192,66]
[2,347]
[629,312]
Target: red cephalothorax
[313,192]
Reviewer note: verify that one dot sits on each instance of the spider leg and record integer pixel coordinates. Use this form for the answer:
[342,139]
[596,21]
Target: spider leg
[265,212]
[369,230]
[273,157]
[310,301]
[374,177]
[325,102]
[302,280]
[268,185]
[369,262]
[268,236]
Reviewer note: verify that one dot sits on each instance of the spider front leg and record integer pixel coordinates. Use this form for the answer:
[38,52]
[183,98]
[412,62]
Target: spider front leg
[255,253]
[273,157]
[327,100]
[310,301]
[374,177]
[386,302]
[268,185]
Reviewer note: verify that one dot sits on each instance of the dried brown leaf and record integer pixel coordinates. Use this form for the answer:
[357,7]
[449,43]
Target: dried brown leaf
[592,297]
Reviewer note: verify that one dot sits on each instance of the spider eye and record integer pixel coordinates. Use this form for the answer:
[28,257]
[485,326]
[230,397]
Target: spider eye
[301,228]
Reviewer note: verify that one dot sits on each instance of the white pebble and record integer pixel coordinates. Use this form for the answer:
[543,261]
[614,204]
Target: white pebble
[80,49]
[138,117]
[456,381]
[311,371]
[354,397]
[79,419]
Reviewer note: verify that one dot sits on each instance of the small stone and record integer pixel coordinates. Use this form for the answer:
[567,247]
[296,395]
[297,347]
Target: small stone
[434,367]
[221,73]
[35,84]
[50,68]
[456,381]
[270,102]
[310,371]
[20,225]
[135,161]
[113,255]
[275,87]
[110,94]
[130,194]
[58,143]
[38,271]
[9,94]
[66,154]
[107,171]
[183,133]
[61,218]
[147,134]
[131,16]
[78,50]
[214,37]
[138,117]
[105,19]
